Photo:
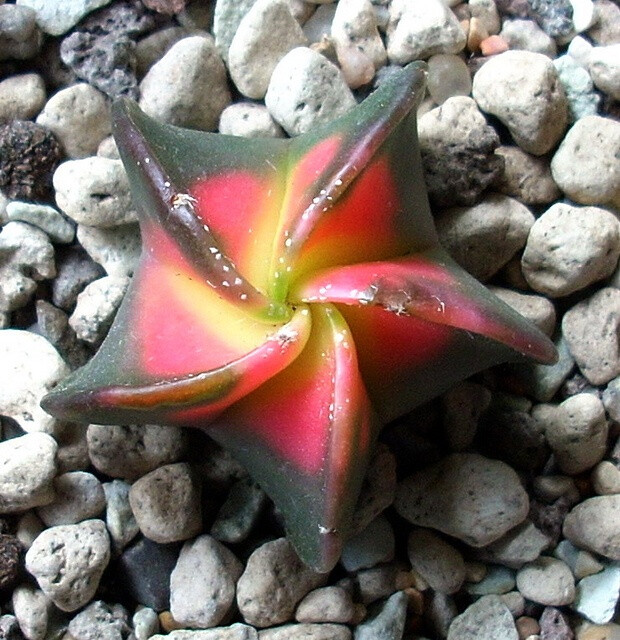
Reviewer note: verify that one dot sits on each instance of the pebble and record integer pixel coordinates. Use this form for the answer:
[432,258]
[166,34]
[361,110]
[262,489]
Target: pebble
[611,399]
[371,546]
[306,631]
[273,583]
[546,581]
[68,561]
[417,31]
[74,271]
[144,571]
[100,620]
[30,368]
[10,561]
[554,625]
[29,155]
[465,495]
[498,580]
[457,147]
[202,584]
[318,27]
[440,611]
[438,562]
[56,18]
[605,69]
[355,25]
[591,144]
[267,32]
[537,116]
[569,248]
[249,120]
[94,191]
[79,117]
[194,98]
[44,217]
[606,478]
[524,543]
[526,35]
[554,16]
[597,595]
[584,15]
[582,563]
[579,50]
[606,29]
[145,623]
[20,37]
[594,523]
[576,431]
[488,617]
[591,330]
[387,622]
[79,496]
[544,381]
[116,249]
[21,96]
[239,513]
[498,221]
[166,503]
[131,451]
[29,259]
[462,406]
[376,583]
[119,519]
[537,309]
[155,45]
[448,76]
[326,604]
[32,610]
[587,631]
[515,603]
[579,88]
[306,90]
[96,307]
[486,12]
[236,631]
[227,16]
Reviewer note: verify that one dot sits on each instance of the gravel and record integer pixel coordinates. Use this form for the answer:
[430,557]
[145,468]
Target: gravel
[492,512]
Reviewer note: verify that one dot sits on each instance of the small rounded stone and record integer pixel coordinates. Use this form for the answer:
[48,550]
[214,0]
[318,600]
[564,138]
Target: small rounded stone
[448,76]
[547,581]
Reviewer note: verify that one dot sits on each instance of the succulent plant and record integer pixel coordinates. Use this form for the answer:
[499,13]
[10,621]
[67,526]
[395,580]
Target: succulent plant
[291,299]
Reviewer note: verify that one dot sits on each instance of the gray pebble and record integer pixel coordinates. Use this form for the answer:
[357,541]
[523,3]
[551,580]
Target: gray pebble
[465,495]
[94,191]
[593,524]
[462,406]
[57,18]
[306,90]
[591,144]
[605,69]
[30,368]
[606,478]
[117,250]
[545,380]
[375,583]
[20,37]
[488,617]
[582,99]
[417,31]
[522,544]
[68,561]
[166,503]
[326,604]
[526,177]
[369,547]
[582,563]
[236,631]
[79,116]
[100,621]
[307,631]
[239,513]
[537,114]
[611,399]
[438,562]
[448,76]
[267,32]
[21,97]
[74,271]
[46,218]
[194,98]
[440,611]
[79,496]
[226,18]
[467,233]
[591,330]
[273,583]
[32,610]
[249,120]
[130,451]
[119,518]
[96,307]
[145,623]
[27,258]
[528,36]
[202,584]
[387,623]
[154,46]
[498,580]
[547,581]
[537,309]
[318,27]
[598,595]
[569,248]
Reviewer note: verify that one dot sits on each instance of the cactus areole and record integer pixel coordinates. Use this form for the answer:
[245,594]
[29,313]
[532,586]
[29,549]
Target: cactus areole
[291,298]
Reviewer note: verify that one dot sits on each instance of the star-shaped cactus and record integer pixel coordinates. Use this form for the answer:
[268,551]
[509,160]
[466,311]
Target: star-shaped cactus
[291,298]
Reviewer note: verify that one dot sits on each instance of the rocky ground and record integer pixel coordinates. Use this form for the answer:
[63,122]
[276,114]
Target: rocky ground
[491,513]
